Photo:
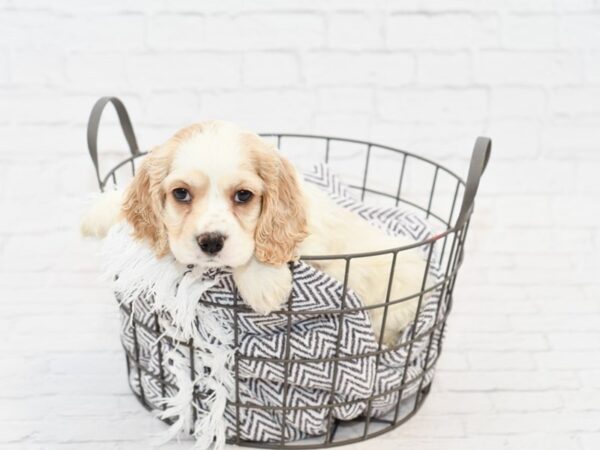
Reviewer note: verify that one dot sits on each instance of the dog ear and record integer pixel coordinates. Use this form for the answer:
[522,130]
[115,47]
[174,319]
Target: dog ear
[282,224]
[143,202]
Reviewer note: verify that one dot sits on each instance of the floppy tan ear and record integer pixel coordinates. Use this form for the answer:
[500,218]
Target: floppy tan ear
[282,224]
[143,201]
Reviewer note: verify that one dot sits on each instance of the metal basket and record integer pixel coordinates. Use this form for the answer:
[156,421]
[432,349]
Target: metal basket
[390,176]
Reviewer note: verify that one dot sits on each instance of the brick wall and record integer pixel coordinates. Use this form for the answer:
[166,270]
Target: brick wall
[521,367]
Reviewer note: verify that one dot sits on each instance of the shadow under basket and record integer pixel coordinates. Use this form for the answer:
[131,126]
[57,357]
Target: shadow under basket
[388,185]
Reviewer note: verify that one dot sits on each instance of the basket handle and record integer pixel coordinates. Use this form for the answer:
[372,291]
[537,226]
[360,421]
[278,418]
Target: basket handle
[479,159]
[94,123]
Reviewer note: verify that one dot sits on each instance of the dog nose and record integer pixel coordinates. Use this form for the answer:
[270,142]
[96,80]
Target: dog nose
[211,243]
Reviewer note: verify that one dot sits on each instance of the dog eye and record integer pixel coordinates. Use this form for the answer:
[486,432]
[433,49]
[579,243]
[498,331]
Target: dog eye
[242,196]
[182,195]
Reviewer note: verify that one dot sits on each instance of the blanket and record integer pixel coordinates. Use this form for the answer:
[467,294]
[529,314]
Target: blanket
[167,307]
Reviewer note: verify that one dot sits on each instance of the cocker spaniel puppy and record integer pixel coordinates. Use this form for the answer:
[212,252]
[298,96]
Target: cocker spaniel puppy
[217,196]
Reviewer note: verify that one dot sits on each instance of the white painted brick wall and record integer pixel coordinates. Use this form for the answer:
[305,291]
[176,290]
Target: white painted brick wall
[522,360]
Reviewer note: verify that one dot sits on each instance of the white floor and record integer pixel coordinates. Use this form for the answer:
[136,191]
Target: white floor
[520,369]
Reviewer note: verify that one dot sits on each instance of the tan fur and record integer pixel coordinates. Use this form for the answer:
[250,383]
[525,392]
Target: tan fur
[142,204]
[282,224]
[144,199]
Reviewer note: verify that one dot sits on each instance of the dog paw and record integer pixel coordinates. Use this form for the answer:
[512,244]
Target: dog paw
[104,212]
[265,288]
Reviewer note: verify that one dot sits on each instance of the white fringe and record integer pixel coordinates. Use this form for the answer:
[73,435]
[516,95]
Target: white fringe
[173,291]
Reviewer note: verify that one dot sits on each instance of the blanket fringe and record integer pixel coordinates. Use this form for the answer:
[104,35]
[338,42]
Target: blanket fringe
[173,291]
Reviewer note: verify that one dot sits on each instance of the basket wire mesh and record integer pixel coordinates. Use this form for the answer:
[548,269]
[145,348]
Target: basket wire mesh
[447,244]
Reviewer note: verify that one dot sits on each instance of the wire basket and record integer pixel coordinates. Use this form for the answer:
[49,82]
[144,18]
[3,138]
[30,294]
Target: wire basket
[388,176]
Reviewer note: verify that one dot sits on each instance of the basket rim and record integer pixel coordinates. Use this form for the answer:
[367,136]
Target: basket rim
[345,256]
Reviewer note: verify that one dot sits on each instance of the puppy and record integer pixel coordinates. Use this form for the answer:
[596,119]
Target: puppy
[217,196]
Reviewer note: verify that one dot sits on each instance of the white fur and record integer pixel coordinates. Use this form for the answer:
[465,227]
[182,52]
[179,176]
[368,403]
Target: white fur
[103,213]
[267,286]
[219,165]
[333,230]
[215,155]
[336,230]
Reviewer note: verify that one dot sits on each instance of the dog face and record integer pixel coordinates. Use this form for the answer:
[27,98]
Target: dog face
[214,196]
